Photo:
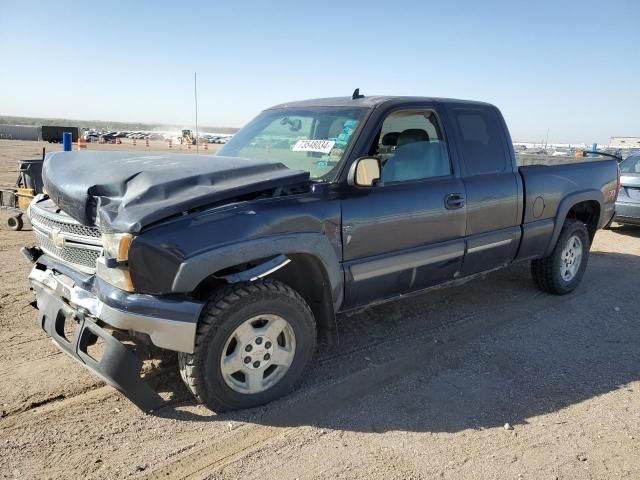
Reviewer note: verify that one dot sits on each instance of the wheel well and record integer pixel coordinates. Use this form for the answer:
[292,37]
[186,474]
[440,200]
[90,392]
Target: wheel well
[306,275]
[587,212]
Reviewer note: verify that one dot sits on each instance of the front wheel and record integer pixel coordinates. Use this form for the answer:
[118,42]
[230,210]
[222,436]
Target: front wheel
[561,271]
[253,344]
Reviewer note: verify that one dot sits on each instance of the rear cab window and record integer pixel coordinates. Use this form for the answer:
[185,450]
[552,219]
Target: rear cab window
[481,141]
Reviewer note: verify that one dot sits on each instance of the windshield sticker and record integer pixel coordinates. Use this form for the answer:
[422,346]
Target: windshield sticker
[320,146]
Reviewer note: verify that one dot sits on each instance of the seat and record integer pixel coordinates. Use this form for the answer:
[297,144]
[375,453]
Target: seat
[412,135]
[390,139]
[416,158]
[387,145]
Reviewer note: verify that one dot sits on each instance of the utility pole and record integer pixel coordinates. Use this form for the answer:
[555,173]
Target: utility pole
[546,142]
[195,96]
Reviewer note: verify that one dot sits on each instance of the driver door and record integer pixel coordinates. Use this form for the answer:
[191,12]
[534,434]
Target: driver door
[407,233]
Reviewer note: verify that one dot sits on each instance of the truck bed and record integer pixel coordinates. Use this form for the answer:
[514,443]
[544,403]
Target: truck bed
[527,160]
[561,178]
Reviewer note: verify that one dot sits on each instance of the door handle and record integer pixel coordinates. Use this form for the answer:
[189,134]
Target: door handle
[454,201]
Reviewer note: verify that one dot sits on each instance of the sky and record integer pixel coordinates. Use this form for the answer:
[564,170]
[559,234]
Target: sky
[571,68]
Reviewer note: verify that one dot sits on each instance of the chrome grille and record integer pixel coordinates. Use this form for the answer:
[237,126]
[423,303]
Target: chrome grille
[64,239]
[73,228]
[78,256]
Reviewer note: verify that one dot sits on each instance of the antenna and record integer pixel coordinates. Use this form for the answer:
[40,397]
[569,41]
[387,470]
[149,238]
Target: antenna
[356,94]
[195,97]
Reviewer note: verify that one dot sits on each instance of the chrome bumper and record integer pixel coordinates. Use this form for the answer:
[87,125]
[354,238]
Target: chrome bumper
[164,332]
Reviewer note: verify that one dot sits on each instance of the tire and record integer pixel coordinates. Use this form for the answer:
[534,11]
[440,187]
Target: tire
[235,320]
[15,223]
[558,273]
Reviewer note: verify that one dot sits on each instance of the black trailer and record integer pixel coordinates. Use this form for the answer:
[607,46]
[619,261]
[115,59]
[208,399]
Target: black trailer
[53,133]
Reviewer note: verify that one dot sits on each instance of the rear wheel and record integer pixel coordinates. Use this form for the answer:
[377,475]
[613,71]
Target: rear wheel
[561,271]
[253,344]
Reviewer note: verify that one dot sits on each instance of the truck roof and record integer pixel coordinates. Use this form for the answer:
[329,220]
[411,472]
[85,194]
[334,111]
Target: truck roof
[370,101]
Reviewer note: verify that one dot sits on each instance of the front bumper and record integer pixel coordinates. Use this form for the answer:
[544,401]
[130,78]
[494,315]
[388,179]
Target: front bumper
[117,365]
[61,299]
[628,213]
[169,322]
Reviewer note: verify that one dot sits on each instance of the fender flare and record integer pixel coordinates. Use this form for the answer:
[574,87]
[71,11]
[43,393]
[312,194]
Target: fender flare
[563,209]
[193,270]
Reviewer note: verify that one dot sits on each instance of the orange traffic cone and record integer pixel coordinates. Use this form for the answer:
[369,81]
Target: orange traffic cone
[81,144]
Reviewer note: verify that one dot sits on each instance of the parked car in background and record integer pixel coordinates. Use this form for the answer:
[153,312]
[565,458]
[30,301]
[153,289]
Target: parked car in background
[626,153]
[108,137]
[91,137]
[628,203]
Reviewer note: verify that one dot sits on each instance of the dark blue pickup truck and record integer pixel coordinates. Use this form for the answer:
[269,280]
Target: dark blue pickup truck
[240,261]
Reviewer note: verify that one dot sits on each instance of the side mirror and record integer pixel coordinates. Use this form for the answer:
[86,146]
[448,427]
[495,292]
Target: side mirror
[365,172]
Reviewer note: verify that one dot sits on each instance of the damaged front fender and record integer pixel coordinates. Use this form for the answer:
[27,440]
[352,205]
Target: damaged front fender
[259,271]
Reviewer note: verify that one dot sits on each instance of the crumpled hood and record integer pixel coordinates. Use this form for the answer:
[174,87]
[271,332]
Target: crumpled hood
[128,190]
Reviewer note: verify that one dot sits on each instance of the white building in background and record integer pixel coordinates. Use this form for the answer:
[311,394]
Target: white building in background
[624,142]
[19,132]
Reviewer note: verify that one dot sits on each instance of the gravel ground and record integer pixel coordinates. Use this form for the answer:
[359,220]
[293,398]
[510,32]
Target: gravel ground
[491,379]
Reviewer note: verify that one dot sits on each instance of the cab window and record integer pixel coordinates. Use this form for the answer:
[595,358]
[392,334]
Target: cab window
[482,141]
[410,147]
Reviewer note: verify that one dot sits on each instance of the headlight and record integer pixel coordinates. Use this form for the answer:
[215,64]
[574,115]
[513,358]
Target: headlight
[111,266]
[116,245]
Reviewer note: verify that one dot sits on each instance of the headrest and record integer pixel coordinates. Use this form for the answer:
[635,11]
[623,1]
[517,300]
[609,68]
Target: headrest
[390,139]
[412,135]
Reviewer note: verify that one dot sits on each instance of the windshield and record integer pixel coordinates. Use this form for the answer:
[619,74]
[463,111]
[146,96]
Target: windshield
[313,139]
[631,165]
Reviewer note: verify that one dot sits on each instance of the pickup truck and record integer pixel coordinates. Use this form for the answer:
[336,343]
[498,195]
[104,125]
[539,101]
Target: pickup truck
[240,261]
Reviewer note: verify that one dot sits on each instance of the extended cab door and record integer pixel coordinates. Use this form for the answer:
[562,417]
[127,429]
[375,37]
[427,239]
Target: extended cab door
[492,183]
[408,232]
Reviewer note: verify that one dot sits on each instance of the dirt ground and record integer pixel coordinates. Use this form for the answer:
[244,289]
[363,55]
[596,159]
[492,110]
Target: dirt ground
[420,388]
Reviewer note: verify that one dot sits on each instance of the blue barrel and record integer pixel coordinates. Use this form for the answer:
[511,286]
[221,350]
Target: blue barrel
[66,141]
[594,147]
